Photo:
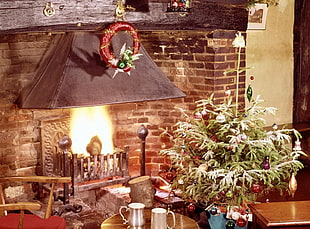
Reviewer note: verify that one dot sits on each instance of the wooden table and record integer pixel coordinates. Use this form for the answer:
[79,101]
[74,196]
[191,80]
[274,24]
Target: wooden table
[182,221]
[289,214]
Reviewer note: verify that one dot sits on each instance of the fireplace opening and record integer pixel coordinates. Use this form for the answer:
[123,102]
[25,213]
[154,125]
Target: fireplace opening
[85,151]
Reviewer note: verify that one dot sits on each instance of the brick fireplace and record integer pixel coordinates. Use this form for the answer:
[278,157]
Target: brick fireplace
[194,61]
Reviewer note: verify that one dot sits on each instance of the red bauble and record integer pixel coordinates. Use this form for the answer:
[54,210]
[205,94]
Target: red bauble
[196,157]
[169,176]
[256,188]
[191,207]
[241,222]
[214,138]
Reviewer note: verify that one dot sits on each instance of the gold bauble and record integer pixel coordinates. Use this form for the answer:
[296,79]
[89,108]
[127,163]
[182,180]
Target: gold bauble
[292,185]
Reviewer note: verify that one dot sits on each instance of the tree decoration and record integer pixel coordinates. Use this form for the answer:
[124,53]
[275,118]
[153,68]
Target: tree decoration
[220,118]
[233,171]
[127,55]
[293,185]
[214,210]
[230,224]
[236,215]
[266,165]
[191,207]
[256,188]
[169,176]
[249,93]
[297,145]
[241,222]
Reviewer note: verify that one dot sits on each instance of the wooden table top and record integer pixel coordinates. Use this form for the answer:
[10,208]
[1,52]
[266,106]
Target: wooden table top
[182,221]
[288,213]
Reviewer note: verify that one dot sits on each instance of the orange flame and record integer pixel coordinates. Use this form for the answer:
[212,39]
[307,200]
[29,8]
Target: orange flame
[87,122]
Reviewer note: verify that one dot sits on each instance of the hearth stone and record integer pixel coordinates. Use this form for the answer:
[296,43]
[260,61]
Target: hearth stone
[98,205]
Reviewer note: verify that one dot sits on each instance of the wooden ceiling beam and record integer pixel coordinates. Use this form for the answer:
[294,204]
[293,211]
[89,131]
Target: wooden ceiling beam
[28,15]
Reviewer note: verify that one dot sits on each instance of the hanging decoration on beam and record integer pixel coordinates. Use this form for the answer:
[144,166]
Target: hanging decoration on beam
[127,56]
[49,10]
[120,10]
[179,6]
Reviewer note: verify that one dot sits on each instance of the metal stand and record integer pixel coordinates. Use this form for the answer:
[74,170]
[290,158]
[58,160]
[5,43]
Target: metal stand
[142,133]
[65,143]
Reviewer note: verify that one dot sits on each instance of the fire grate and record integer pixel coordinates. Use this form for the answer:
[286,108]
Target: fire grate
[87,172]
[99,170]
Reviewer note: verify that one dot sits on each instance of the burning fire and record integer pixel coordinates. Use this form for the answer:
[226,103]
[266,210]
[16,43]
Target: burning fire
[87,122]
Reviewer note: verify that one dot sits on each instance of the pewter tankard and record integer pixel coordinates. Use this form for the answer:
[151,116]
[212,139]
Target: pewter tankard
[136,214]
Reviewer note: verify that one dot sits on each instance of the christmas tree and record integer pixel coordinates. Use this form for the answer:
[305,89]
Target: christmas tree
[223,154]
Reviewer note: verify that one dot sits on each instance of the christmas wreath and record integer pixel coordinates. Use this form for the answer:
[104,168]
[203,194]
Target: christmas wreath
[127,56]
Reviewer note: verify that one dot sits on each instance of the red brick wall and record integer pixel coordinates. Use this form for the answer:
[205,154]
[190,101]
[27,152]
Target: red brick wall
[194,61]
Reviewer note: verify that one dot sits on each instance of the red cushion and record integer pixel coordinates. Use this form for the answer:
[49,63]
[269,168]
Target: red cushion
[32,222]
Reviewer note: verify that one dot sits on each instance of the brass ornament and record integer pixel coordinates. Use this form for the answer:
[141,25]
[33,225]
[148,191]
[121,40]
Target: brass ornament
[292,185]
[49,10]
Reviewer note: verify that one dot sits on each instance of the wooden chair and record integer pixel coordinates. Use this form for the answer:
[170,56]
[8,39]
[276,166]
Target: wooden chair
[22,220]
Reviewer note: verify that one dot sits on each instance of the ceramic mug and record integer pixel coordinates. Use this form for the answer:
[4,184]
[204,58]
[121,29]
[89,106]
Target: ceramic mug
[136,214]
[159,218]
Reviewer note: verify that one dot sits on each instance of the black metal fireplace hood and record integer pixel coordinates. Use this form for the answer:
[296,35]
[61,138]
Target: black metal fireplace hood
[72,74]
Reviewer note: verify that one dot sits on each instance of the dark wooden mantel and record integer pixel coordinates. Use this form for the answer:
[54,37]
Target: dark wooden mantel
[27,15]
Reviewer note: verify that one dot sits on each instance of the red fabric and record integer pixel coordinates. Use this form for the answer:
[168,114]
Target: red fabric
[32,222]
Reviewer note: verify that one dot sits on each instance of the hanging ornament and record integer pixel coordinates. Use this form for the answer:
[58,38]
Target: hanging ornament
[297,146]
[230,224]
[197,157]
[204,114]
[229,194]
[241,222]
[292,185]
[215,210]
[242,137]
[198,115]
[249,93]
[169,176]
[266,165]
[203,167]
[256,188]
[220,118]
[235,215]
[228,93]
[214,138]
[191,207]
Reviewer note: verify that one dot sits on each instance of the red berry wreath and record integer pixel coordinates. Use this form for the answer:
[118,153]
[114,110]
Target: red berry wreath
[105,42]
